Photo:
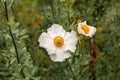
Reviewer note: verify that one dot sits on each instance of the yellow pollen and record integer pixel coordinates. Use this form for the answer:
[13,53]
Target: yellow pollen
[85,28]
[58,41]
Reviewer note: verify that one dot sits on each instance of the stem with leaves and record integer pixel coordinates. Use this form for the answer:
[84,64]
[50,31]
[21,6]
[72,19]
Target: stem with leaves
[74,77]
[13,40]
[68,15]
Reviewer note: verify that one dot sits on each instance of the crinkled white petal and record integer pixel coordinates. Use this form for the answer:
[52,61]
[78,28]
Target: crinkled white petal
[83,23]
[79,27]
[70,41]
[60,57]
[80,30]
[46,42]
[56,30]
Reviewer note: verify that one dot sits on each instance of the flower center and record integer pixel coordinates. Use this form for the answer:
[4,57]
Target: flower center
[85,28]
[58,41]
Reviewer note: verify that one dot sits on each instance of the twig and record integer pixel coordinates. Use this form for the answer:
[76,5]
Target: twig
[13,40]
[94,53]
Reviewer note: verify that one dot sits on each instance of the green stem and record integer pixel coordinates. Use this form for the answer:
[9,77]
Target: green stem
[74,77]
[13,40]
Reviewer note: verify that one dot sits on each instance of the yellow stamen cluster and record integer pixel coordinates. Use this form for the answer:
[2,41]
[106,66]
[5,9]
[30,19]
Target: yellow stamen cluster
[85,28]
[58,41]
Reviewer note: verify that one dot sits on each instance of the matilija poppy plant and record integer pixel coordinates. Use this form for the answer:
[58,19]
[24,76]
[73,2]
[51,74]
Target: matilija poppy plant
[58,42]
[85,29]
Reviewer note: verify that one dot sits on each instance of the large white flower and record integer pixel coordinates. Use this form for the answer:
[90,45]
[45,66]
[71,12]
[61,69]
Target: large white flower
[85,29]
[58,42]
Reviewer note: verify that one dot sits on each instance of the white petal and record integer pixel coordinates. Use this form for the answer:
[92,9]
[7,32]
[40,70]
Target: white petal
[60,57]
[79,27]
[82,23]
[93,30]
[56,30]
[46,42]
[70,41]
[80,30]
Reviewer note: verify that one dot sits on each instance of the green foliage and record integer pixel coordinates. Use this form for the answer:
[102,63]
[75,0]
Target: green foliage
[29,18]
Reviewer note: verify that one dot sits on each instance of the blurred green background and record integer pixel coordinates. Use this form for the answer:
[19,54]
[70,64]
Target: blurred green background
[29,18]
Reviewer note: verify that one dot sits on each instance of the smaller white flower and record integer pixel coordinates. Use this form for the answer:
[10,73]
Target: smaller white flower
[58,43]
[85,29]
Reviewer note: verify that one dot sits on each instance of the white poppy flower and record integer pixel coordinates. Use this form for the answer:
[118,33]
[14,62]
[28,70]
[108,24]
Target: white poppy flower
[85,29]
[58,42]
